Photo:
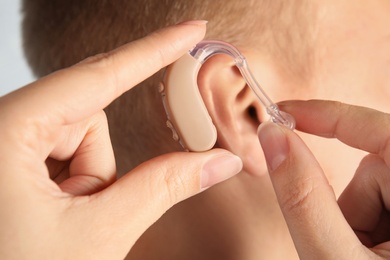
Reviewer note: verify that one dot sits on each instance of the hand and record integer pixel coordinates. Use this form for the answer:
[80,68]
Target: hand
[358,226]
[58,192]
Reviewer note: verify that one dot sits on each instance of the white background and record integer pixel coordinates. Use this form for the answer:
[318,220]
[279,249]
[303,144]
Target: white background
[14,71]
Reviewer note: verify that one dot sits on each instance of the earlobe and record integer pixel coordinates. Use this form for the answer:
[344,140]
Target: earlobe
[234,109]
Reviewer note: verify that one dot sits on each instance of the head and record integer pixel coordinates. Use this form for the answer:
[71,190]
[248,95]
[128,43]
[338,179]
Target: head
[297,49]
[325,49]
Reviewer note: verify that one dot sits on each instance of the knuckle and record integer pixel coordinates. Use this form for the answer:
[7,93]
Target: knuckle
[370,163]
[156,40]
[97,124]
[96,59]
[101,118]
[298,197]
[371,173]
[173,183]
[104,64]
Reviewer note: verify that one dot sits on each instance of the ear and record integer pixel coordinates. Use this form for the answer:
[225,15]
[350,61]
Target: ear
[234,109]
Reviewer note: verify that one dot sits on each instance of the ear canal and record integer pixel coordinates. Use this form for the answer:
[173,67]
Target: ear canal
[252,112]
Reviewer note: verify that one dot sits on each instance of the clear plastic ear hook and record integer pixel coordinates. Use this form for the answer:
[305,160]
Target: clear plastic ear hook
[188,117]
[205,49]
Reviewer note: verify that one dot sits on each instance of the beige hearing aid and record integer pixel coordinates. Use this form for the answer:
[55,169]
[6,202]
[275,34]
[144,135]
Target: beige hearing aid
[187,114]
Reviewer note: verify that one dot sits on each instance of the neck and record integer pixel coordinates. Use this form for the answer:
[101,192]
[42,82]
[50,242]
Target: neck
[238,219]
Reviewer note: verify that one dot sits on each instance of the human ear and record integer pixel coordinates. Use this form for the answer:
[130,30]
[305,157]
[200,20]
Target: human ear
[234,109]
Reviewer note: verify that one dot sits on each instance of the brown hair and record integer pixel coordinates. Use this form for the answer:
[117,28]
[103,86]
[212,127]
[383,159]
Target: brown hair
[60,33]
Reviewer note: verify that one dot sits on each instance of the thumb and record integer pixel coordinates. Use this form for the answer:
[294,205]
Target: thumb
[307,201]
[143,195]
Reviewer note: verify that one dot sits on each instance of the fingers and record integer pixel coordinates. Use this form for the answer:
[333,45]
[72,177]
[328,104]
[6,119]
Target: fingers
[359,127]
[138,199]
[308,203]
[366,201]
[71,94]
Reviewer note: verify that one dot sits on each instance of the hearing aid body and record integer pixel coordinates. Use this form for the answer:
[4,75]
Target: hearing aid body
[187,113]
[188,117]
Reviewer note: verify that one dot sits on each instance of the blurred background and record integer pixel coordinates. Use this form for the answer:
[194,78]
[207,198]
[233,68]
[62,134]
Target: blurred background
[14,71]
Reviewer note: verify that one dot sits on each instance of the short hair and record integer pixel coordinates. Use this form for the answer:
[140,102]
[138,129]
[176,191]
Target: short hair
[60,33]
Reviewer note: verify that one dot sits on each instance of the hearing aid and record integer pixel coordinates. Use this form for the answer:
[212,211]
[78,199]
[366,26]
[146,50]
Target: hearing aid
[187,114]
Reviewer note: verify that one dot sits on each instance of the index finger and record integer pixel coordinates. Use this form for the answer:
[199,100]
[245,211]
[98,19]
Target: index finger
[359,127]
[71,94]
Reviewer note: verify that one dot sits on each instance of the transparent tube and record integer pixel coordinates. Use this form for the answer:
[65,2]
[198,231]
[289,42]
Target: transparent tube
[205,49]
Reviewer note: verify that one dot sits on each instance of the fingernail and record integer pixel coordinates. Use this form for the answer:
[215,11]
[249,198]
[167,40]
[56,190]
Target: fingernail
[220,168]
[274,142]
[194,22]
[285,105]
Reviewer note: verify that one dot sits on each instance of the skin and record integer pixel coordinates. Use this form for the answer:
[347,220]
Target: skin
[350,64]
[335,230]
[355,227]
[59,195]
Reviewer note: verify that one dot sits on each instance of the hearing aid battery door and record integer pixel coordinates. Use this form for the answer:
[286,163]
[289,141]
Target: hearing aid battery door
[185,107]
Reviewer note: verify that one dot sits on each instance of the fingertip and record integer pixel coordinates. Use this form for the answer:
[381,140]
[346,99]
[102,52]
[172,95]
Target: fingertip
[219,168]
[198,26]
[304,194]
[274,142]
